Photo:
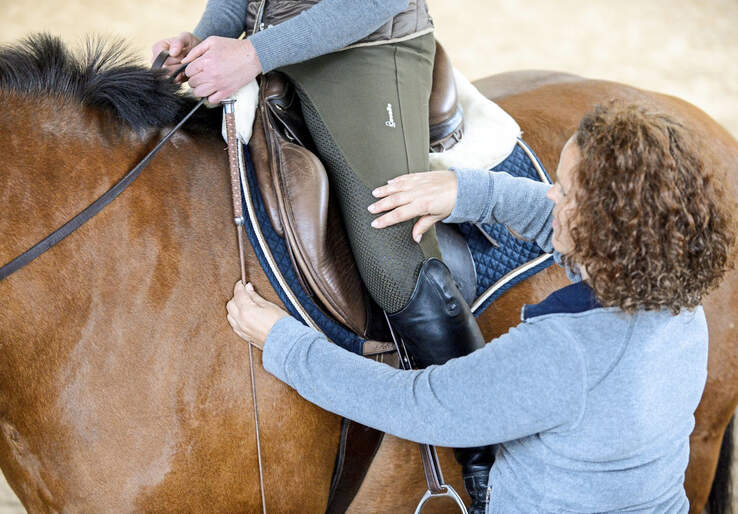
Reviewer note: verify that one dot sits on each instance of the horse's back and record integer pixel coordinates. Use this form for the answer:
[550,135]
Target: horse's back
[501,85]
[549,104]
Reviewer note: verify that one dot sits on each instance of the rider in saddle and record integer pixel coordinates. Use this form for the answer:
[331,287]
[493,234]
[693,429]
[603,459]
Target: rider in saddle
[363,71]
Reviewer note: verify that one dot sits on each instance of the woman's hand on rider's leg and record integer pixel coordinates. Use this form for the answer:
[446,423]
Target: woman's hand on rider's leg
[251,316]
[431,196]
[178,47]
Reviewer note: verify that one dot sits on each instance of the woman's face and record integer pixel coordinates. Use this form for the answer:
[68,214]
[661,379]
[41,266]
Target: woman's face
[563,195]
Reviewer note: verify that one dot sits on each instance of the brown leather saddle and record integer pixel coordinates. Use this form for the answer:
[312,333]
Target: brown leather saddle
[295,189]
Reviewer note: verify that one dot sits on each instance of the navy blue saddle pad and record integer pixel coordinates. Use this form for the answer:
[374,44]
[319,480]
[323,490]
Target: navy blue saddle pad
[501,267]
[498,267]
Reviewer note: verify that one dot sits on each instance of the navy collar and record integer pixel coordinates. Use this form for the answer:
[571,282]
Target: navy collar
[578,297]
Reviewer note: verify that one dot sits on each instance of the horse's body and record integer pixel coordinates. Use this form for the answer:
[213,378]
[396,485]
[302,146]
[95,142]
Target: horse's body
[123,388]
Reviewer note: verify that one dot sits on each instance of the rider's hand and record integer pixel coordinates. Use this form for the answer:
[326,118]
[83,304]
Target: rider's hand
[178,47]
[220,66]
[251,316]
[430,196]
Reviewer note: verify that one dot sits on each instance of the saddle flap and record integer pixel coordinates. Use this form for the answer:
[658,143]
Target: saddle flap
[311,223]
[327,262]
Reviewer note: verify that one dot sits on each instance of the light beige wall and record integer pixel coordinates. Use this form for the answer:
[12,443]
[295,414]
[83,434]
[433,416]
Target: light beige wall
[687,48]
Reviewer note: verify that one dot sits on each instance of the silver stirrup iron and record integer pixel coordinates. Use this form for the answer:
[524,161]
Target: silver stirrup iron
[448,492]
[437,488]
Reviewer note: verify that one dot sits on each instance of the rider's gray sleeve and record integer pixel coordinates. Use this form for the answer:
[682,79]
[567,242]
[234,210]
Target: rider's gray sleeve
[325,27]
[524,382]
[498,197]
[222,18]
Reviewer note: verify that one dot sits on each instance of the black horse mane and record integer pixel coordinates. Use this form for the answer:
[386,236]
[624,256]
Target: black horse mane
[105,75]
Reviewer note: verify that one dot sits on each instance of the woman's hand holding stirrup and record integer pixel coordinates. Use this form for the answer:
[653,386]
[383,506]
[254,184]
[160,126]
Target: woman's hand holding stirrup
[431,196]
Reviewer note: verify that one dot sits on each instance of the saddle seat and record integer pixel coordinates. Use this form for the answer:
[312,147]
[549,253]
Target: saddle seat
[295,189]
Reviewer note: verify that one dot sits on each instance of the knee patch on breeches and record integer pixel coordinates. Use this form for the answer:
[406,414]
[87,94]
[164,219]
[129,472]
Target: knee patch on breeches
[388,259]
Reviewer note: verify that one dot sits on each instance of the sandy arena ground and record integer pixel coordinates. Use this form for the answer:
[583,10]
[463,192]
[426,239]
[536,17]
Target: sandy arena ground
[687,48]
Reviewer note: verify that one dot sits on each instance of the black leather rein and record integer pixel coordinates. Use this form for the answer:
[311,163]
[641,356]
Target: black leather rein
[99,204]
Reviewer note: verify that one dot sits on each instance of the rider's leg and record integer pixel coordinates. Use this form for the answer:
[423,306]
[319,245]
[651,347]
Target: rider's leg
[368,128]
[367,110]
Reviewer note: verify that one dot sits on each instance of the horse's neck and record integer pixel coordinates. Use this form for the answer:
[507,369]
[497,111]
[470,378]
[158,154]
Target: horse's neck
[126,263]
[122,268]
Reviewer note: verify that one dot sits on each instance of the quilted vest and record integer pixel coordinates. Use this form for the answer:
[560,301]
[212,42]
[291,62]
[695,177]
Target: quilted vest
[411,22]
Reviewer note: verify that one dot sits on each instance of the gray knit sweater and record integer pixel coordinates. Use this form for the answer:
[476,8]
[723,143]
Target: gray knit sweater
[324,28]
[591,408]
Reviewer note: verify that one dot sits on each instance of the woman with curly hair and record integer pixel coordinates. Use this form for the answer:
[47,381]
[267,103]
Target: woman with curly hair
[591,399]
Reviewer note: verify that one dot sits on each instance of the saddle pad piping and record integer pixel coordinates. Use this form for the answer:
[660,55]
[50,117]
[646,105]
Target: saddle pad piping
[534,160]
[529,268]
[507,278]
[265,247]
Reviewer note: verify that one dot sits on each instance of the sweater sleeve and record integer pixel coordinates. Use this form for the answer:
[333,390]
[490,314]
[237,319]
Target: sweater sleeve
[498,197]
[222,18]
[520,384]
[325,27]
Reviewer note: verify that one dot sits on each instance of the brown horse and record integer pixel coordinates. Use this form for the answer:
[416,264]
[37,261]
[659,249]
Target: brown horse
[122,387]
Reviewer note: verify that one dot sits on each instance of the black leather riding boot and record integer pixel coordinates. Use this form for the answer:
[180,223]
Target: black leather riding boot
[475,465]
[436,326]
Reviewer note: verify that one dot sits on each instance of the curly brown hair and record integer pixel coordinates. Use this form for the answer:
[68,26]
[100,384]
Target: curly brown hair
[652,228]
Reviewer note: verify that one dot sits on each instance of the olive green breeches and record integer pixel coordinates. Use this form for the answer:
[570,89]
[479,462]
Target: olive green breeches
[367,111]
